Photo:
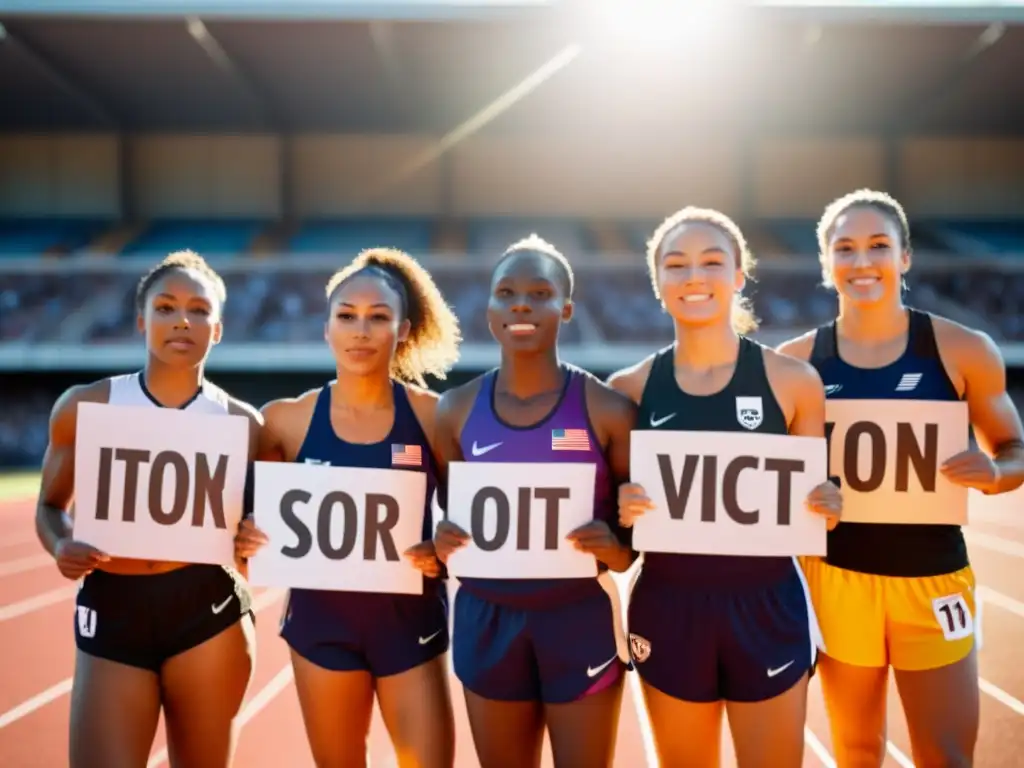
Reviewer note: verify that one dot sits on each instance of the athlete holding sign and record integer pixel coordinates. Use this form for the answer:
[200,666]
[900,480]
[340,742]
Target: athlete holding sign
[152,635]
[901,594]
[388,325]
[706,628]
[532,652]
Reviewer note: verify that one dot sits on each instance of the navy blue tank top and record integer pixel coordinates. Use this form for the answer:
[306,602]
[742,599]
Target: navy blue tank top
[564,435]
[405,448]
[918,374]
[665,406]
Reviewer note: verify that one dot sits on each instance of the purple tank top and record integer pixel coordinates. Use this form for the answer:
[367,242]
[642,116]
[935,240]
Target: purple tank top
[565,435]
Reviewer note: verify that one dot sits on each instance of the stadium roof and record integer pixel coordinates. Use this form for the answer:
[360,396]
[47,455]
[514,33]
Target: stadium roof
[771,72]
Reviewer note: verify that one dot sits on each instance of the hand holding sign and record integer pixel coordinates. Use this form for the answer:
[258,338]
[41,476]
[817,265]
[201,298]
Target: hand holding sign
[633,502]
[448,537]
[596,538]
[826,500]
[249,539]
[972,469]
[76,559]
[424,559]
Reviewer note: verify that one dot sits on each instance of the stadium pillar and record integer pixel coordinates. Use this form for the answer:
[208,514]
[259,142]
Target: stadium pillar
[746,147]
[891,164]
[125,178]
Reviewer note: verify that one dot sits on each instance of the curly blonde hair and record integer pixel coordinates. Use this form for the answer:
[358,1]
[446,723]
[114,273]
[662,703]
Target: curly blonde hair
[432,346]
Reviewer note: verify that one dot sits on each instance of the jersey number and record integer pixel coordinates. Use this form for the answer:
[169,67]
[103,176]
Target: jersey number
[954,617]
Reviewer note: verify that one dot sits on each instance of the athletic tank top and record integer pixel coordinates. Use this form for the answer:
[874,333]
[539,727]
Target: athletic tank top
[918,374]
[130,389]
[486,437]
[405,448]
[665,406]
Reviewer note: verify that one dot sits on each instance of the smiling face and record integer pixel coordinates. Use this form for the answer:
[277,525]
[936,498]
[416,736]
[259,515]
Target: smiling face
[698,274]
[366,325]
[866,259]
[529,302]
[181,318]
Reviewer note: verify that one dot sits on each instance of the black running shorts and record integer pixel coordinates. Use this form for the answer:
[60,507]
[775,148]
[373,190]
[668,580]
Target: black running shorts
[143,621]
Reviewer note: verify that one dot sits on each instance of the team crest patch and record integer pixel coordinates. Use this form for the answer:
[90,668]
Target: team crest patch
[749,412]
[639,648]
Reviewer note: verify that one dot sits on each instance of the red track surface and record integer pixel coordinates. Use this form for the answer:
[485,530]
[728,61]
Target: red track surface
[37,661]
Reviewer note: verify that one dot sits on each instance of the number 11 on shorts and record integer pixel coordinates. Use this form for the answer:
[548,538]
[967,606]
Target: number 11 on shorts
[953,616]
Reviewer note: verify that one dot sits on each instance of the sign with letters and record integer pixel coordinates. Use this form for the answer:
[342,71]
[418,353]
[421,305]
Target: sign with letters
[518,516]
[338,528]
[159,483]
[888,453]
[728,493]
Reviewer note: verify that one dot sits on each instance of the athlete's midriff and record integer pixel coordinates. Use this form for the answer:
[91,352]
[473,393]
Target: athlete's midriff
[127,567]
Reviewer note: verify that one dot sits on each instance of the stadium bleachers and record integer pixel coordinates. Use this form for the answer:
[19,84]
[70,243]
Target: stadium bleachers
[234,237]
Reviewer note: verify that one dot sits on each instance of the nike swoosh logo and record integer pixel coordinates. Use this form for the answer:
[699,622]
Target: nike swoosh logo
[783,668]
[595,671]
[478,451]
[831,389]
[658,422]
[428,638]
[222,606]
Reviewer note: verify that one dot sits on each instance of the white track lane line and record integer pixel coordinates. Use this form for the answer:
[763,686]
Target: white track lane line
[262,601]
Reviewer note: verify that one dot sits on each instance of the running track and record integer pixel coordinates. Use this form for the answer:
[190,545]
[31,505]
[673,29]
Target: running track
[37,661]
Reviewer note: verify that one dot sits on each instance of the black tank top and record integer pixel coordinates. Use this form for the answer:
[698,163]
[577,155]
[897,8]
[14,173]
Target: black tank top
[892,549]
[667,407]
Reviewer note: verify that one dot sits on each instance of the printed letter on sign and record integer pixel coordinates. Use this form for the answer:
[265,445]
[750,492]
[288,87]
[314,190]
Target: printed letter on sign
[160,483]
[325,538]
[887,453]
[518,516]
[728,493]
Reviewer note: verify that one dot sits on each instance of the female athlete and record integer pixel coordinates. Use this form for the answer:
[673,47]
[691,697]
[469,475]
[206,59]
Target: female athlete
[880,590]
[388,326]
[147,638]
[754,646]
[536,652]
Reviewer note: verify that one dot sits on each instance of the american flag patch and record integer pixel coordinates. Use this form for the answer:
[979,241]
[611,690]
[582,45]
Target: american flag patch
[406,455]
[570,440]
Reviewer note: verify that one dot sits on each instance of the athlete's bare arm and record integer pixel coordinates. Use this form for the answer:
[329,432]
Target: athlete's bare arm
[799,391]
[973,358]
[633,499]
[279,438]
[57,486]
[613,416]
[238,407]
[453,409]
[424,405]
[801,395]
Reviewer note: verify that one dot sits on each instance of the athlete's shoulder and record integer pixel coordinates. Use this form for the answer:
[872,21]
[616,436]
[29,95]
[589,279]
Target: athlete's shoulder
[287,408]
[423,403]
[232,404]
[64,413]
[800,347]
[791,373]
[630,381]
[969,349]
[603,400]
[456,402]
